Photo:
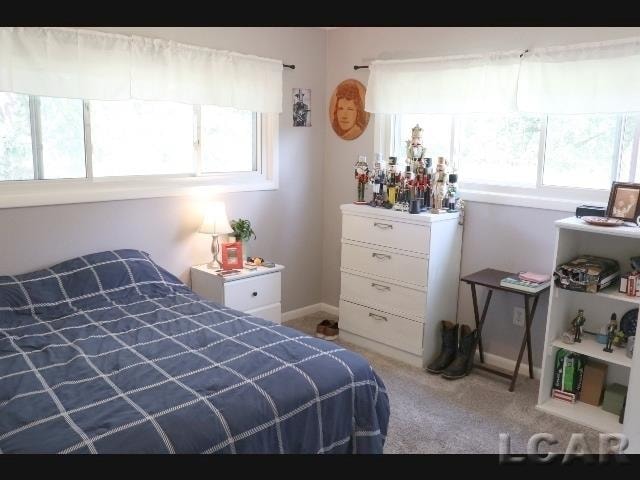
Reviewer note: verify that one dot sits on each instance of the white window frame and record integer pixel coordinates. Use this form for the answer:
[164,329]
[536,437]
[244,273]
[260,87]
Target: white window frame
[26,193]
[540,196]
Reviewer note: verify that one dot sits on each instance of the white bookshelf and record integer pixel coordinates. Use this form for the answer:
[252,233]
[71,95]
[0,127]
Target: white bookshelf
[575,237]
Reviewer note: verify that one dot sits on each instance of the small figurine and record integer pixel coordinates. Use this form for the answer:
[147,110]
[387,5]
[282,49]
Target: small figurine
[419,183]
[611,333]
[361,174]
[452,192]
[427,188]
[405,191]
[439,180]
[415,149]
[619,339]
[392,181]
[577,324]
[377,179]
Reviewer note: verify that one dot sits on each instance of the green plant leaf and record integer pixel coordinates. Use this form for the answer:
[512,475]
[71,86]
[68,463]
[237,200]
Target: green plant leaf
[242,229]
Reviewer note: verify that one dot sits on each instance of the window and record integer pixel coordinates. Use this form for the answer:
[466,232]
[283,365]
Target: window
[497,149]
[46,140]
[141,138]
[557,156]
[226,145]
[16,156]
[62,131]
[580,150]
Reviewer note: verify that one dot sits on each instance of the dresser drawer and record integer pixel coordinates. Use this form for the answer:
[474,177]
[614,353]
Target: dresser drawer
[252,293]
[392,265]
[388,233]
[382,327]
[383,295]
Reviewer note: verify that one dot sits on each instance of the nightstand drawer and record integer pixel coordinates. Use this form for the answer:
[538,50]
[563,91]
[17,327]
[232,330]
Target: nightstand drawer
[251,293]
[388,233]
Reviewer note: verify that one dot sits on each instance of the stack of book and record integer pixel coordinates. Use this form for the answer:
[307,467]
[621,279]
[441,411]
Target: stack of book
[527,282]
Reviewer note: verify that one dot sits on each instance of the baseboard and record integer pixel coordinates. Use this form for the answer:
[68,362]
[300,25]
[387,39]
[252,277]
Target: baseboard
[308,310]
[325,307]
[301,312]
[507,364]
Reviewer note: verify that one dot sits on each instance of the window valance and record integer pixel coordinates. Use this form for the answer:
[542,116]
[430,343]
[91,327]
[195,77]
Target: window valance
[600,77]
[469,83]
[76,63]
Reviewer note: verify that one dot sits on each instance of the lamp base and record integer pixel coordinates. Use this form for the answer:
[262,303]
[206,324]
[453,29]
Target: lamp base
[214,265]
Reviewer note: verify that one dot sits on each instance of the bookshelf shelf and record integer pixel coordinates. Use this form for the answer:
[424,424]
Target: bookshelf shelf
[590,347]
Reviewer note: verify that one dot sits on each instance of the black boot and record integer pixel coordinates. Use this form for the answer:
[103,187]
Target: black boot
[463,362]
[448,349]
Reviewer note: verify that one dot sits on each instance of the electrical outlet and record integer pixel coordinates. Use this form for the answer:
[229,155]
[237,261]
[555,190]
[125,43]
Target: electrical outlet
[518,316]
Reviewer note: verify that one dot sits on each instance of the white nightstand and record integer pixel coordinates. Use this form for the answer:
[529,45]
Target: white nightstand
[252,291]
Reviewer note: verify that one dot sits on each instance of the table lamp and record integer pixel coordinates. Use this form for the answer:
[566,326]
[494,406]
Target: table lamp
[215,223]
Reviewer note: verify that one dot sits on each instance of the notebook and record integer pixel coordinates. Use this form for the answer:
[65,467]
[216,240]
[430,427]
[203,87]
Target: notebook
[523,285]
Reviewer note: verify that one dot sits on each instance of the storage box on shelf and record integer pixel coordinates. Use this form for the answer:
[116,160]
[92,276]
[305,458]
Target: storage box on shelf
[399,279]
[574,237]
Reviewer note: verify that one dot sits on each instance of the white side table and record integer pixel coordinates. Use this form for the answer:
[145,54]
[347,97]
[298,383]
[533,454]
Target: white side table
[257,292]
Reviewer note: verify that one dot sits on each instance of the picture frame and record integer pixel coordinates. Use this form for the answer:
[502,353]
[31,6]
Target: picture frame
[347,115]
[301,106]
[231,254]
[624,201]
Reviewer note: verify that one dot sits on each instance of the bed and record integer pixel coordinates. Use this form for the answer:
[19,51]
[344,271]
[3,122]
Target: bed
[110,353]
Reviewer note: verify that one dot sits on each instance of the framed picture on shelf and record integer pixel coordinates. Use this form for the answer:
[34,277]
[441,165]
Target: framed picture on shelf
[231,255]
[624,201]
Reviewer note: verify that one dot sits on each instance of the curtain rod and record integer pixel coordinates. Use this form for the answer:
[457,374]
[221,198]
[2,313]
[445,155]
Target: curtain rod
[292,67]
[358,67]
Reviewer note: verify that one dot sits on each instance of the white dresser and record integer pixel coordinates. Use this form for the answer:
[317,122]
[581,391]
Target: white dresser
[251,291]
[399,278]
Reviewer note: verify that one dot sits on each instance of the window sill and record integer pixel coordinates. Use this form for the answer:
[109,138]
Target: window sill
[528,201]
[58,192]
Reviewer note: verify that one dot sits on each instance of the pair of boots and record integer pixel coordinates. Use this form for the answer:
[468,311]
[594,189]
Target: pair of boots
[456,356]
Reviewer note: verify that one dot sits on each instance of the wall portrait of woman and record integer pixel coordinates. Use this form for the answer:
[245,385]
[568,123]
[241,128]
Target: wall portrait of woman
[346,110]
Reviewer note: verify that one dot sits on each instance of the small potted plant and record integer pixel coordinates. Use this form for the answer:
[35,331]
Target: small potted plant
[243,232]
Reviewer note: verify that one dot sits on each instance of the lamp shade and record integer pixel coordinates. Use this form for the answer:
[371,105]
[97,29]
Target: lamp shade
[215,220]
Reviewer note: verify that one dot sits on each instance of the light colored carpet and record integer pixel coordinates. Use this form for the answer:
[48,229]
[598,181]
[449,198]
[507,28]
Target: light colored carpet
[432,415]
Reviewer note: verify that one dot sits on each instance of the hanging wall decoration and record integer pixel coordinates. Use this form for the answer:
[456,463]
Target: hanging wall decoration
[301,107]
[346,110]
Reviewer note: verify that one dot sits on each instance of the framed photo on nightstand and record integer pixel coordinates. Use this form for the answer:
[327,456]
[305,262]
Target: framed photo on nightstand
[231,255]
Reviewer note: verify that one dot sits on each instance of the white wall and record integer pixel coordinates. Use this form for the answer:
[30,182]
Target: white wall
[285,220]
[507,238]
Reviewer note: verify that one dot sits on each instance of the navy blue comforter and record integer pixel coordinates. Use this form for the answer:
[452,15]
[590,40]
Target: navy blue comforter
[110,353]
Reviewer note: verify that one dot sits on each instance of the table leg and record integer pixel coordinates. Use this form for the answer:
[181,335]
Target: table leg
[476,316]
[529,321]
[526,341]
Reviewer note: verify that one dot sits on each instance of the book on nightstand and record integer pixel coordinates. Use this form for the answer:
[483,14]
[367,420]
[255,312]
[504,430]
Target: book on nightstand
[523,285]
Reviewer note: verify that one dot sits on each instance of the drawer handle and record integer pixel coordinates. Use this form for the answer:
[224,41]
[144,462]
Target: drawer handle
[254,294]
[377,317]
[382,288]
[384,226]
[381,256]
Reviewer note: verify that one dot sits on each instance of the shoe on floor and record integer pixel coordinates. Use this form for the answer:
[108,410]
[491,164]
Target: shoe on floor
[320,328]
[331,331]
[448,349]
[463,362]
